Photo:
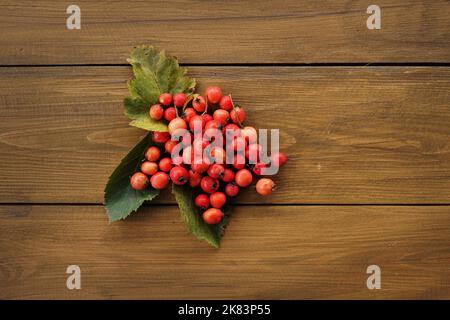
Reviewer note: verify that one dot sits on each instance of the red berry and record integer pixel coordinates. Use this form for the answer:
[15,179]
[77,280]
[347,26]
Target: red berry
[250,134]
[218,155]
[165,99]
[160,137]
[170,145]
[253,153]
[213,125]
[152,154]
[231,189]
[278,159]
[239,144]
[179,175]
[221,116]
[226,103]
[213,94]
[238,162]
[199,104]
[149,168]
[258,168]
[217,199]
[243,178]
[207,117]
[216,171]
[212,216]
[156,112]
[170,114]
[202,201]
[139,181]
[165,164]
[228,175]
[179,99]
[200,167]
[159,180]
[231,130]
[194,178]
[197,121]
[237,115]
[188,114]
[209,185]
[176,124]
[265,186]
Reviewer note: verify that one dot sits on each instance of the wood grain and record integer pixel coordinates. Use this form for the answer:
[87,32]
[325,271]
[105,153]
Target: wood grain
[353,135]
[294,31]
[287,252]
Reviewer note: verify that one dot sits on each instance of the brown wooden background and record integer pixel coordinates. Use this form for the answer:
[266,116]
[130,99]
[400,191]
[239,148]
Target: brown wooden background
[364,117]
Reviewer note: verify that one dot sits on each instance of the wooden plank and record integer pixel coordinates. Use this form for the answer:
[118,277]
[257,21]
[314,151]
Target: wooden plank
[286,252]
[353,135]
[294,31]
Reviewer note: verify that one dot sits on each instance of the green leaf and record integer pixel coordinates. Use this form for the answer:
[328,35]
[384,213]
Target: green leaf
[154,73]
[193,218]
[120,198]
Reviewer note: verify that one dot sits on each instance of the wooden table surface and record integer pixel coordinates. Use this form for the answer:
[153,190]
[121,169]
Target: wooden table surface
[364,118]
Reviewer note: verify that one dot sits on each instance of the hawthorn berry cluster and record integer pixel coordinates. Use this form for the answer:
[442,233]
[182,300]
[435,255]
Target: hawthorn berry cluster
[207,147]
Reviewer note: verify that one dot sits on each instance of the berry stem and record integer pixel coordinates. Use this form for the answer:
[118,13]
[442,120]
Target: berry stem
[237,117]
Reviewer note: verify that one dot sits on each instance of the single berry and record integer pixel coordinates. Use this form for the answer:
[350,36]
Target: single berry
[179,99]
[165,99]
[152,154]
[156,112]
[176,124]
[212,216]
[149,168]
[213,94]
[202,201]
[278,159]
[197,122]
[194,178]
[170,145]
[139,181]
[213,125]
[221,116]
[217,199]
[243,178]
[165,164]
[207,117]
[231,189]
[250,134]
[253,153]
[216,171]
[218,155]
[258,168]
[238,162]
[170,114]
[237,115]
[200,167]
[209,185]
[265,186]
[228,175]
[231,130]
[188,114]
[199,104]
[160,137]
[226,103]
[159,180]
[179,175]
[239,144]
